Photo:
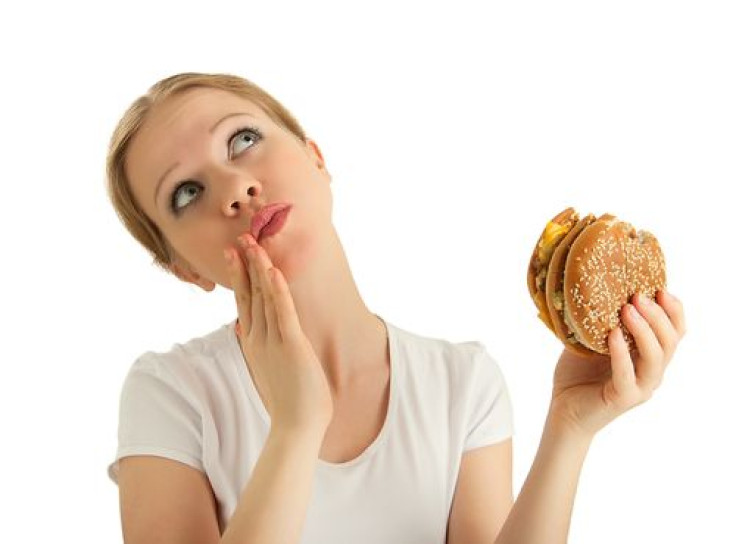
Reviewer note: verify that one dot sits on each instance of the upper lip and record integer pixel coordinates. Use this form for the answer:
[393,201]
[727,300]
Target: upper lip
[263,216]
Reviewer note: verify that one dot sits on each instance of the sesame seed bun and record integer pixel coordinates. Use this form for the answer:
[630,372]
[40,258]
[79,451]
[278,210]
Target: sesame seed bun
[593,271]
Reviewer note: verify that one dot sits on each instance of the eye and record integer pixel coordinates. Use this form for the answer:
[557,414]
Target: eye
[187,191]
[247,136]
[183,195]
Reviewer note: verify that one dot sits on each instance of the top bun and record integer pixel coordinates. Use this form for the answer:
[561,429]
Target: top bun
[593,270]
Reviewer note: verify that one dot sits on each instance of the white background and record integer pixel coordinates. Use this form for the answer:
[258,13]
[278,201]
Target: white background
[453,132]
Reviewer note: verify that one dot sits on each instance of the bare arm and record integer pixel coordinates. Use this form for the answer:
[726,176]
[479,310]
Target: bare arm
[167,502]
[589,393]
[290,379]
[273,505]
[484,511]
[294,388]
[543,509]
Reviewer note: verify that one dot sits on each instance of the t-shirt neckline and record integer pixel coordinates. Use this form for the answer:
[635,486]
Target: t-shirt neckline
[394,374]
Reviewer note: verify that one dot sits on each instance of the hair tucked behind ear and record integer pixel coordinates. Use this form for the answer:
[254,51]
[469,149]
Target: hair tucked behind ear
[145,231]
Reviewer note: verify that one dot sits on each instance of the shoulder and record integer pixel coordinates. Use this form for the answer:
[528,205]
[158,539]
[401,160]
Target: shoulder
[167,398]
[191,371]
[460,380]
[191,358]
[458,359]
[458,366]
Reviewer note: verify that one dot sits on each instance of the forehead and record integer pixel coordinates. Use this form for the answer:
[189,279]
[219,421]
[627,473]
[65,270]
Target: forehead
[198,105]
[192,112]
[174,129]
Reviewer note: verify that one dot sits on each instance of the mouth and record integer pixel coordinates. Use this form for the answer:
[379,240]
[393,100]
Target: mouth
[269,220]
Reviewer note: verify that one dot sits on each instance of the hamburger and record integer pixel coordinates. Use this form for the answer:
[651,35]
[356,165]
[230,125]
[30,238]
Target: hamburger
[584,270]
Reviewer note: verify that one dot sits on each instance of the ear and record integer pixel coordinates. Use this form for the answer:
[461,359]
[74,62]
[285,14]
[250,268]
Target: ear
[316,154]
[186,273]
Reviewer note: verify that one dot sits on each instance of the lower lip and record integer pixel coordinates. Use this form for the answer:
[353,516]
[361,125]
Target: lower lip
[275,224]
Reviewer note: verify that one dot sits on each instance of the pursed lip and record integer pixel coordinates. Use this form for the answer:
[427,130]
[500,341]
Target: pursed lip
[264,215]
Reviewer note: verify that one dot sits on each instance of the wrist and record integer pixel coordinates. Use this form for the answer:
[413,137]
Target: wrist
[563,426]
[310,437]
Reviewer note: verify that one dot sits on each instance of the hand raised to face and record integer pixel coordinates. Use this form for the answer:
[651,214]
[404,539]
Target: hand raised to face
[289,376]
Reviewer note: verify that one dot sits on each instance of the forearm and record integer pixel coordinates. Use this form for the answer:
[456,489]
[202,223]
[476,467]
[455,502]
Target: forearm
[273,505]
[542,511]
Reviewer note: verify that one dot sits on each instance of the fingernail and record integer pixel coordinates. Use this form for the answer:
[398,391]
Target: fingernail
[645,300]
[633,312]
[228,256]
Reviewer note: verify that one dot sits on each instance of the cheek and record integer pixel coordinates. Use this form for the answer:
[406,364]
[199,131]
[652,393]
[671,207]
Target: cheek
[296,254]
[202,251]
[315,190]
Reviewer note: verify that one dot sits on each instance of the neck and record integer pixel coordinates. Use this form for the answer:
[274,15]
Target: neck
[347,337]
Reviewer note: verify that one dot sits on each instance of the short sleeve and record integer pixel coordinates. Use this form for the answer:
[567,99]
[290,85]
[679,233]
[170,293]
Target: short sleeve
[156,418]
[490,416]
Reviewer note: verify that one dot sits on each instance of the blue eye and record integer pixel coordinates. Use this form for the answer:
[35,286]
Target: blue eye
[248,134]
[186,188]
[186,191]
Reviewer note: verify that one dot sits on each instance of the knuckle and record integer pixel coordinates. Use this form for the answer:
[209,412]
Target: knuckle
[633,315]
[645,391]
[669,350]
[626,400]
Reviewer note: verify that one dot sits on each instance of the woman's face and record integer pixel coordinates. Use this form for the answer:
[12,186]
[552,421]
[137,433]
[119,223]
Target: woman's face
[205,162]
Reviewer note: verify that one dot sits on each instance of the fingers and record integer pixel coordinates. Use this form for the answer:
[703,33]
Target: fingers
[286,312]
[673,308]
[650,363]
[263,292]
[623,390]
[275,310]
[657,329]
[258,285]
[240,285]
[664,329]
[263,267]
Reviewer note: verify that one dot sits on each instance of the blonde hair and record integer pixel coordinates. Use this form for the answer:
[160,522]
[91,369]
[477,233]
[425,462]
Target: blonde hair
[143,229]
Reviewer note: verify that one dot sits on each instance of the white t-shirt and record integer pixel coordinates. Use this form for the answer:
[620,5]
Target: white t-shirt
[198,405]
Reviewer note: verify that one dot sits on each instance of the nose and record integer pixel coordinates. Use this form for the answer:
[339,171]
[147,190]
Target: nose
[237,189]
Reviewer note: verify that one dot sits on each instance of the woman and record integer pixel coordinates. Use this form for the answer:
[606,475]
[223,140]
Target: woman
[310,418]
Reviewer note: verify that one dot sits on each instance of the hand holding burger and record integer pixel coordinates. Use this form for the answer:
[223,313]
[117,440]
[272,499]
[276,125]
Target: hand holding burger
[598,285]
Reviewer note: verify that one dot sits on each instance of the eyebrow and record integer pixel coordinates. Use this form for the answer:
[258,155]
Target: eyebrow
[212,129]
